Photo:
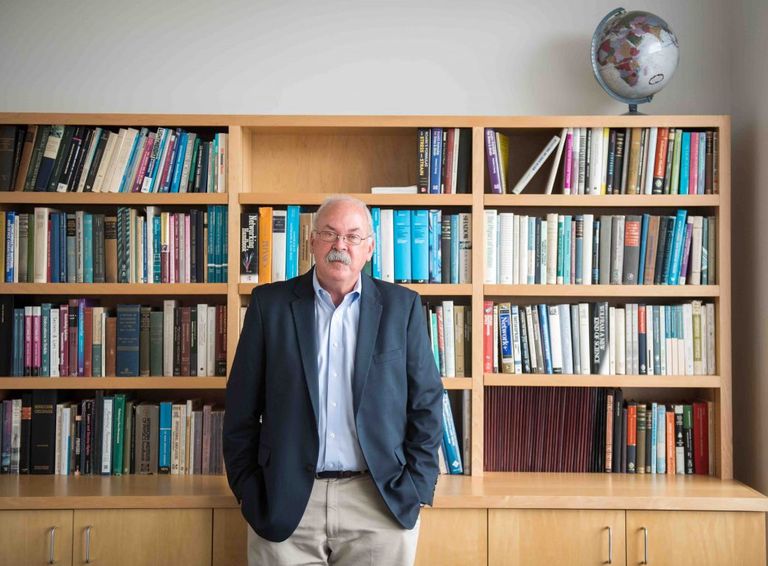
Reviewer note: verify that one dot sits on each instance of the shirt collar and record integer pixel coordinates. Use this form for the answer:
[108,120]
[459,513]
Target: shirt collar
[354,293]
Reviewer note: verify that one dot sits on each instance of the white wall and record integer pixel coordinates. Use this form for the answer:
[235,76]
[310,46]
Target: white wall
[337,57]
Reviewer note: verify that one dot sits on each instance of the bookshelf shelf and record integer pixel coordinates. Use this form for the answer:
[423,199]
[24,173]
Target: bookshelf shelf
[436,289]
[401,201]
[561,380]
[457,383]
[113,199]
[602,201]
[647,291]
[90,289]
[122,383]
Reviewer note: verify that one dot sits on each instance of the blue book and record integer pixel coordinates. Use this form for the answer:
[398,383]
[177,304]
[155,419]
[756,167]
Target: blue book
[505,332]
[211,246]
[567,250]
[433,337]
[155,166]
[579,249]
[81,305]
[546,347]
[10,222]
[435,235]
[71,235]
[224,244]
[18,343]
[376,258]
[181,145]
[531,247]
[435,160]
[54,247]
[643,244]
[656,340]
[127,340]
[455,249]
[654,424]
[167,178]
[685,163]
[420,246]
[450,440]
[661,436]
[87,247]
[45,339]
[560,249]
[134,156]
[702,163]
[156,248]
[291,242]
[676,254]
[402,224]
[62,238]
[164,445]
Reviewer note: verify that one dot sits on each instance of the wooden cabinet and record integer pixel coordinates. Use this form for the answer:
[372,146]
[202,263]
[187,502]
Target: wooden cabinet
[545,536]
[698,538]
[453,536]
[230,538]
[142,537]
[36,537]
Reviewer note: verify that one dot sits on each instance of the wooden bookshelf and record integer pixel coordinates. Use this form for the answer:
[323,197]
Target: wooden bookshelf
[115,289]
[637,381]
[605,291]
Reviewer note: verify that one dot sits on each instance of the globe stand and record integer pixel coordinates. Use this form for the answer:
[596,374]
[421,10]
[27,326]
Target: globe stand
[633,111]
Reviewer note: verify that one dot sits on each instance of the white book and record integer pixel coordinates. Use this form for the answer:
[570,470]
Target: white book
[210,356]
[106,438]
[441,459]
[516,342]
[516,249]
[575,339]
[663,340]
[556,162]
[522,247]
[688,337]
[699,349]
[222,158]
[612,342]
[134,160]
[565,336]
[536,165]
[123,158]
[387,245]
[185,170]
[202,338]
[695,255]
[400,190]
[243,310]
[679,446]
[585,339]
[113,164]
[465,247]
[589,223]
[575,152]
[552,225]
[175,438]
[169,306]
[543,261]
[15,436]
[106,161]
[90,152]
[449,335]
[555,339]
[531,250]
[41,244]
[54,342]
[681,346]
[649,329]
[491,243]
[650,161]
[595,162]
[621,341]
[709,317]
[635,341]
[506,247]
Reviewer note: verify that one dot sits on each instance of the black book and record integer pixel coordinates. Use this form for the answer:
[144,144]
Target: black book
[81,157]
[42,453]
[21,134]
[524,342]
[26,432]
[96,161]
[618,402]
[97,423]
[61,157]
[661,246]
[668,245]
[623,452]
[7,146]
[445,248]
[464,163]
[70,161]
[618,166]
[6,333]
[611,168]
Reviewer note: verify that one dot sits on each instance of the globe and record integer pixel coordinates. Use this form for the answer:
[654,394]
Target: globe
[634,55]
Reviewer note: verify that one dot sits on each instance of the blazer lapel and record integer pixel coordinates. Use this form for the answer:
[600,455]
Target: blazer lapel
[368,330]
[303,308]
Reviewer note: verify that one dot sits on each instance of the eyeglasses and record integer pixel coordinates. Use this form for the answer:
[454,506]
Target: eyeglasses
[330,237]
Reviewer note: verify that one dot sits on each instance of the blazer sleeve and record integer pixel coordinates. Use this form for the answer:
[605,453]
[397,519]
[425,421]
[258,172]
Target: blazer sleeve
[245,404]
[424,430]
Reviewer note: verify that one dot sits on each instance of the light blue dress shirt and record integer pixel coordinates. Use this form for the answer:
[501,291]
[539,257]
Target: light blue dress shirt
[336,332]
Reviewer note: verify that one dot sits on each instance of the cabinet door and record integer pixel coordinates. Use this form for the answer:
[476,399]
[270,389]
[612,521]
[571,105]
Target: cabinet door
[230,538]
[453,536]
[555,536]
[143,537]
[680,538]
[26,537]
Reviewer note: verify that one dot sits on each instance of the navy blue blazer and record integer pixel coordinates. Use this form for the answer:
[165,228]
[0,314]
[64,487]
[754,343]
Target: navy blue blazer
[270,426]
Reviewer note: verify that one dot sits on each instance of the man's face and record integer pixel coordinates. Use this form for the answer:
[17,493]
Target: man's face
[339,262]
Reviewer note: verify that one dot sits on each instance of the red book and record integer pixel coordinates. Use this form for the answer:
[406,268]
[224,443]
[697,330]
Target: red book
[700,438]
[660,165]
[670,442]
[488,336]
[27,340]
[36,341]
[72,331]
[694,167]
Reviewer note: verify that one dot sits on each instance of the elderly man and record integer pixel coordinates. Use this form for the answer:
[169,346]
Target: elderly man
[333,415]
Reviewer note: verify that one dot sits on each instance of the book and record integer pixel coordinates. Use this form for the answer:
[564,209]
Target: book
[536,165]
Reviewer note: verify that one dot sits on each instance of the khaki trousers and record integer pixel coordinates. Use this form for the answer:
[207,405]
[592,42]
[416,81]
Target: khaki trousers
[346,523]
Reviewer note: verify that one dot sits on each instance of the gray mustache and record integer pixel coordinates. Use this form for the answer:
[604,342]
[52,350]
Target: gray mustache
[338,255]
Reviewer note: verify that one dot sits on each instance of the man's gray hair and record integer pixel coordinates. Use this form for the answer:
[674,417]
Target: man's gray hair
[336,199]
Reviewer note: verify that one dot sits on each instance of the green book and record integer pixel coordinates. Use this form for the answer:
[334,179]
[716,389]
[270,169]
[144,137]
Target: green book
[156,343]
[128,438]
[674,186]
[118,433]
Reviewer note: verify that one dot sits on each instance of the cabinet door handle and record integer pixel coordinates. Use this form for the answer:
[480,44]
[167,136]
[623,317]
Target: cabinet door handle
[645,545]
[52,545]
[88,544]
[610,545]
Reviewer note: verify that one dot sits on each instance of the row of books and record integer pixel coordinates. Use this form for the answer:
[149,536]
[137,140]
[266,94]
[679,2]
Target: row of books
[598,161]
[412,246]
[134,246]
[595,430]
[444,158]
[450,333]
[109,434]
[80,338]
[585,249]
[454,450]
[598,339]
[94,159]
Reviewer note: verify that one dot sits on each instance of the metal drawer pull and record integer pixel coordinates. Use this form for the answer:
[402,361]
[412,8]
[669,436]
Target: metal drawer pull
[610,545]
[52,545]
[645,546]
[88,545]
